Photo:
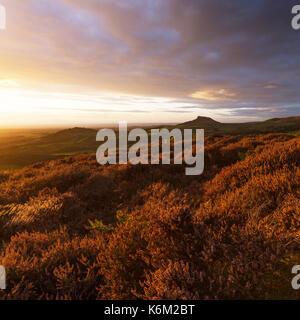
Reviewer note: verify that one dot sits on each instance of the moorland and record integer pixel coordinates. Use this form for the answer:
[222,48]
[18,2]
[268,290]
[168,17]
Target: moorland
[73,229]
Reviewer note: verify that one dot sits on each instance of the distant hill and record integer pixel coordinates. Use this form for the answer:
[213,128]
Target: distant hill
[275,125]
[52,146]
[75,141]
[202,122]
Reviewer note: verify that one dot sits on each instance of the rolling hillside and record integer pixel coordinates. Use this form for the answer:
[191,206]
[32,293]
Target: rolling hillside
[19,153]
[48,147]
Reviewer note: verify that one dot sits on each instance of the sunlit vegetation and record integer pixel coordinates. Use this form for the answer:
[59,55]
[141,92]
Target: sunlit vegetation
[19,148]
[72,229]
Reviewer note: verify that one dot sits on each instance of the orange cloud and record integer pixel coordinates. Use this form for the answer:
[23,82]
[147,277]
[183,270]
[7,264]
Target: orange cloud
[270,86]
[214,95]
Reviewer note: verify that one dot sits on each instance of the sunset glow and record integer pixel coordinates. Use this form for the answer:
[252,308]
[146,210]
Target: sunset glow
[69,62]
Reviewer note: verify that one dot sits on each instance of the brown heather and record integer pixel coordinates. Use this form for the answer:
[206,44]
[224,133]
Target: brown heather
[72,229]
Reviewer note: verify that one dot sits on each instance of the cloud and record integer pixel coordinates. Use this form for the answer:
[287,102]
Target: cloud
[214,95]
[270,86]
[194,51]
[8,83]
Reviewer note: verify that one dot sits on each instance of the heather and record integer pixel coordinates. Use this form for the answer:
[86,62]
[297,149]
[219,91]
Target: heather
[72,229]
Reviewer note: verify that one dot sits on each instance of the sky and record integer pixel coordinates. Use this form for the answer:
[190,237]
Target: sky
[94,62]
